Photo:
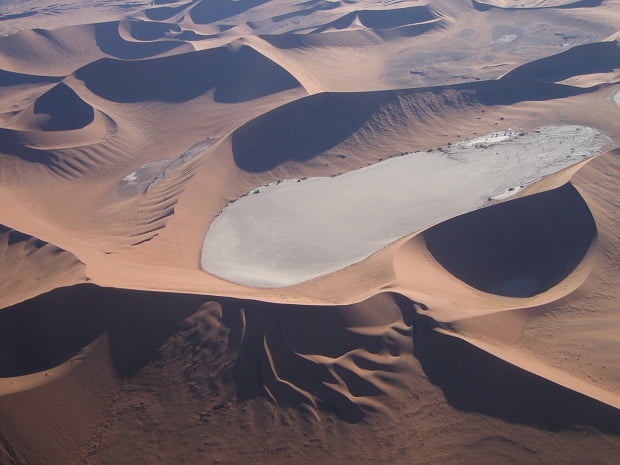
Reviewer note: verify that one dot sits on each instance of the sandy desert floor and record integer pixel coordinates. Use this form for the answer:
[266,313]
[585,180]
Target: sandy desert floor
[319,232]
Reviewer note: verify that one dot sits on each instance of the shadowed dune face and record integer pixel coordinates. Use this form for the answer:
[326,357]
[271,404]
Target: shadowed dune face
[43,332]
[534,4]
[210,11]
[235,75]
[61,109]
[600,57]
[150,30]
[111,43]
[294,129]
[315,359]
[8,78]
[383,19]
[325,358]
[162,13]
[292,355]
[306,128]
[517,249]
[47,330]
[475,381]
[388,19]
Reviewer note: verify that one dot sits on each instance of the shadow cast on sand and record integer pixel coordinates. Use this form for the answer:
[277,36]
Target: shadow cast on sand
[518,248]
[598,57]
[473,380]
[306,128]
[235,76]
[299,356]
[61,109]
[110,42]
[210,11]
[47,330]
[484,6]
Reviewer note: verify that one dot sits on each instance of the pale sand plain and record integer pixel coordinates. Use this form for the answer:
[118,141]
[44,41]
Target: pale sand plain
[427,331]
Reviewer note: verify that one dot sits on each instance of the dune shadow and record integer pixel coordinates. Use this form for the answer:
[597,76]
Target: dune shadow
[473,380]
[210,11]
[484,6]
[61,109]
[235,75]
[13,236]
[303,129]
[271,362]
[162,13]
[393,18]
[10,78]
[110,42]
[598,57]
[509,92]
[45,331]
[306,11]
[25,14]
[151,30]
[49,329]
[519,248]
[140,322]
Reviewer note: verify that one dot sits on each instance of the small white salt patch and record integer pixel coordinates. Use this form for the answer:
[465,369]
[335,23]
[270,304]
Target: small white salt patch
[130,177]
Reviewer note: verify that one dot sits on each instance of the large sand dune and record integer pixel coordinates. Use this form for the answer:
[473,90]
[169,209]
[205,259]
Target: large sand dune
[327,232]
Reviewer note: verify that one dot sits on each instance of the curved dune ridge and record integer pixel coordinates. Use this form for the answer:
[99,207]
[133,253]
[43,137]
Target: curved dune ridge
[322,231]
[254,241]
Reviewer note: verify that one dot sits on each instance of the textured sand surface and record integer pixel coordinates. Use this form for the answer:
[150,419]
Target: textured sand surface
[320,232]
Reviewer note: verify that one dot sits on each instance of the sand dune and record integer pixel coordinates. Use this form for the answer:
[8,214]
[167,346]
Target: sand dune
[478,247]
[225,70]
[326,232]
[535,4]
[601,57]
[31,266]
[59,109]
[382,19]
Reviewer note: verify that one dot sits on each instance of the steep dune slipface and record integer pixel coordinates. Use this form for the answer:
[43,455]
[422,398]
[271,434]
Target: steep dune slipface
[59,109]
[382,19]
[534,4]
[520,248]
[205,12]
[234,74]
[599,57]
